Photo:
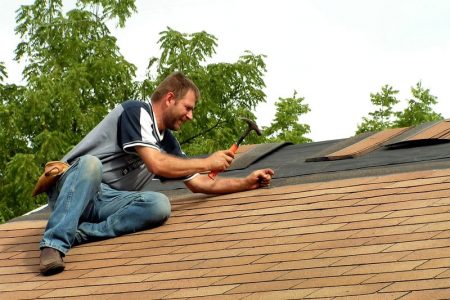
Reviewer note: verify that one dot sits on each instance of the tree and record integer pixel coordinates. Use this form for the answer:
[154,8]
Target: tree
[12,142]
[382,117]
[75,74]
[285,126]
[228,90]
[419,108]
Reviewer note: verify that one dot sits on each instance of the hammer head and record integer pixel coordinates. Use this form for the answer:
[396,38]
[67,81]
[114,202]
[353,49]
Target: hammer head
[252,126]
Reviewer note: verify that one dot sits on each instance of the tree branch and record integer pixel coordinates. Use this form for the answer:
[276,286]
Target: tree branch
[202,132]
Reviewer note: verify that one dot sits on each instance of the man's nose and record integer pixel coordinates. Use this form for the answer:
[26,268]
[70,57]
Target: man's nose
[189,115]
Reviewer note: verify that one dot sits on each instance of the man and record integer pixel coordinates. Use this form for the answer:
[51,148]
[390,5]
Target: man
[104,192]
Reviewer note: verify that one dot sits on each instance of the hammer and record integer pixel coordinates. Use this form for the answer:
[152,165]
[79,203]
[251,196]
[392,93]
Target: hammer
[251,126]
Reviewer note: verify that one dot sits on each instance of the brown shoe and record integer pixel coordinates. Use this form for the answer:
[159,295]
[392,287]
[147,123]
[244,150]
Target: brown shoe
[51,261]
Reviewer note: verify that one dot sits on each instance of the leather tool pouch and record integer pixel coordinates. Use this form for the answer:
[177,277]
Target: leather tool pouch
[52,172]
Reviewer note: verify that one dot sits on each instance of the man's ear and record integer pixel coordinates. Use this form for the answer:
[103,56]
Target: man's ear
[170,97]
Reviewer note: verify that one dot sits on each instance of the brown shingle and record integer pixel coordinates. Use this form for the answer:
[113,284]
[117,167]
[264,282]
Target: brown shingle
[199,292]
[348,290]
[370,238]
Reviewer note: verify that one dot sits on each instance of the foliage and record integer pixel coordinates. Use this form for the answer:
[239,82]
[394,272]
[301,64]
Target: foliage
[228,90]
[286,126]
[74,73]
[382,117]
[418,110]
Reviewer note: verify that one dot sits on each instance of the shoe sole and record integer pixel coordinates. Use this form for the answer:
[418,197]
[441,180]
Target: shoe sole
[52,269]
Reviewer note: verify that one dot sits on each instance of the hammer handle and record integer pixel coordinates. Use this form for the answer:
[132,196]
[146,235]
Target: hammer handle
[212,175]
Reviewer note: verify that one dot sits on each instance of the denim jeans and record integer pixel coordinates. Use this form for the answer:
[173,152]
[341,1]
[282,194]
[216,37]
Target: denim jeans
[85,209]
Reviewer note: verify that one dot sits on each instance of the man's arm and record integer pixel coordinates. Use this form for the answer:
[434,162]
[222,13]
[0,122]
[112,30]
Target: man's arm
[171,166]
[221,185]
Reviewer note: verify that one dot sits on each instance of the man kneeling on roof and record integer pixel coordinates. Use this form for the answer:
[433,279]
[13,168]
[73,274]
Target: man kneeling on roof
[103,192]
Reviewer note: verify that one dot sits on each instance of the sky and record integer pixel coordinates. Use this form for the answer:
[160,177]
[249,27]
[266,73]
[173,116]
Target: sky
[334,53]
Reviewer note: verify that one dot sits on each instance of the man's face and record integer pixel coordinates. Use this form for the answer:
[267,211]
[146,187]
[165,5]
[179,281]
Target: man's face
[180,111]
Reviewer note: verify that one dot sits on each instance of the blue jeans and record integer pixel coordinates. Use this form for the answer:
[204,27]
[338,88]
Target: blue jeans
[85,209]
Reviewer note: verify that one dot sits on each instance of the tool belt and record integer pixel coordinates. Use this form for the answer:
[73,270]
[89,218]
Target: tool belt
[52,172]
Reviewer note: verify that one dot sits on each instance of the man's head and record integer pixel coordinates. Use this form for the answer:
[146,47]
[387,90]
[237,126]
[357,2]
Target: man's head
[177,96]
[176,83]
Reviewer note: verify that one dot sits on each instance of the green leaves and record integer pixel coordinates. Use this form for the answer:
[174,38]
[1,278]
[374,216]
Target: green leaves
[228,90]
[381,118]
[17,184]
[419,110]
[75,74]
[286,127]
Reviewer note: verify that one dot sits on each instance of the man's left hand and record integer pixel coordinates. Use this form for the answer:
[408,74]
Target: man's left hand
[260,178]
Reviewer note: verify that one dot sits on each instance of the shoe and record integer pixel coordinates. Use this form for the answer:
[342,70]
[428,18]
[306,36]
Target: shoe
[51,261]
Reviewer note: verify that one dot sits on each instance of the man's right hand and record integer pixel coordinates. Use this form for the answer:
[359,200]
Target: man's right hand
[220,161]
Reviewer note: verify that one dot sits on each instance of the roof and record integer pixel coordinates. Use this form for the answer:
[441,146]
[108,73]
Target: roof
[368,227]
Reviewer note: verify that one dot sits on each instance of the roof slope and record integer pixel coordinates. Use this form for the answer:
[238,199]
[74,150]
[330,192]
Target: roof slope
[364,238]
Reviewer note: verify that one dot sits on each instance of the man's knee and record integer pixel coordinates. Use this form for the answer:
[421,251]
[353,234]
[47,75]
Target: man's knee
[160,206]
[91,166]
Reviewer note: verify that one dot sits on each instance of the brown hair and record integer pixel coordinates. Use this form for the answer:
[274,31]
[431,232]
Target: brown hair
[176,83]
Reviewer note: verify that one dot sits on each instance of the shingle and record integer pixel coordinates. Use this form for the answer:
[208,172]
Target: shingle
[19,286]
[348,290]
[428,254]
[428,294]
[135,295]
[264,286]
[376,268]
[307,263]
[247,269]
[229,261]
[71,292]
[198,292]
[34,294]
[364,238]
[110,271]
[285,294]
[436,263]
[405,275]
[438,226]
[437,131]
[187,283]
[416,285]
[364,146]
[398,238]
[97,281]
[367,259]
[337,244]
[377,296]
[332,281]
[316,272]
[252,277]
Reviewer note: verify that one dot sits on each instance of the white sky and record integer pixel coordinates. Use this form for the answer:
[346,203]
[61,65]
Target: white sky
[332,52]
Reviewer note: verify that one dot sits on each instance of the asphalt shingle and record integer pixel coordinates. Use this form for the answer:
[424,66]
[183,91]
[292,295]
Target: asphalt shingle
[369,238]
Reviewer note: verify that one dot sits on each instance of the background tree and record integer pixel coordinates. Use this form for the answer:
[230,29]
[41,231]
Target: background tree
[228,90]
[12,142]
[381,118]
[286,126]
[74,73]
[419,110]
